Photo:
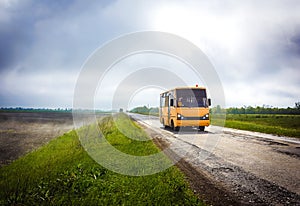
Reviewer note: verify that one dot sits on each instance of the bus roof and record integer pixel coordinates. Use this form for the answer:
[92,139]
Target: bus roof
[193,87]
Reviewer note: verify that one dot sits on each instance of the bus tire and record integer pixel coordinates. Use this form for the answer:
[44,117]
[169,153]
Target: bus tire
[201,128]
[173,126]
[163,123]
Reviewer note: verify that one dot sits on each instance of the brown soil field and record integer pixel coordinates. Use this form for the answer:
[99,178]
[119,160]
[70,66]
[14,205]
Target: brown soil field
[22,132]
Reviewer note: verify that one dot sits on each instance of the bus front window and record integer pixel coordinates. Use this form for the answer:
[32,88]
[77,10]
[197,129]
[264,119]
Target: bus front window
[191,98]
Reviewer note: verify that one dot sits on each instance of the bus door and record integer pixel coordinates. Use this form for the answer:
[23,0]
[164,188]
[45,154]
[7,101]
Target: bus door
[171,104]
[169,111]
[168,105]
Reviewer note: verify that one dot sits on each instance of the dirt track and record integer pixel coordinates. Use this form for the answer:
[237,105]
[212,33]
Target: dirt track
[22,132]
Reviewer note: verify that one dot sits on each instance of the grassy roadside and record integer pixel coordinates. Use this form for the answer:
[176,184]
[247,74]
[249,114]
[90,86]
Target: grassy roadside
[282,125]
[62,173]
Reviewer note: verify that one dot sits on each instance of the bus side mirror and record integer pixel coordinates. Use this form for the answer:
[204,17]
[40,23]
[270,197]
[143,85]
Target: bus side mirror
[172,102]
[209,102]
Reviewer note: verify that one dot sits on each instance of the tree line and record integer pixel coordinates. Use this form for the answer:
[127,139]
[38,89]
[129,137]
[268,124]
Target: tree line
[255,110]
[22,109]
[265,109]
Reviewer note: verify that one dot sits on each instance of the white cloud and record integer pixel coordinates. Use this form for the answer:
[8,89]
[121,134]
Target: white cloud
[246,41]
[142,74]
[38,89]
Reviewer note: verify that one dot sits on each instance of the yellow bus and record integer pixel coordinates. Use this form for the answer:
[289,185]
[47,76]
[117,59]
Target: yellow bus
[185,107]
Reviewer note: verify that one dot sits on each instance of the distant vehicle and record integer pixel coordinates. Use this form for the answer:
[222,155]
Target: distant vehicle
[185,107]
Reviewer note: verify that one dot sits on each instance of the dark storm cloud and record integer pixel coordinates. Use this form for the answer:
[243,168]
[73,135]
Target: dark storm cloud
[295,44]
[43,45]
[17,31]
[15,36]
[29,21]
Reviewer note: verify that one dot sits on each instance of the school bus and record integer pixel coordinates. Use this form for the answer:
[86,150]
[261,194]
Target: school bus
[185,107]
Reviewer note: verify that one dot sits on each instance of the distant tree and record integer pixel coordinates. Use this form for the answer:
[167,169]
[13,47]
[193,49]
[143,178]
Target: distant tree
[297,105]
[217,110]
[146,110]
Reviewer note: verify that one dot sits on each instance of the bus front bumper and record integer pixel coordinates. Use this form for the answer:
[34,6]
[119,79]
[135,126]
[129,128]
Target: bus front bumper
[195,123]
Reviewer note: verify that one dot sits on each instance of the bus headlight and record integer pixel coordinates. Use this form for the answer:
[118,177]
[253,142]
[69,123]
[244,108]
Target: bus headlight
[206,116]
[179,117]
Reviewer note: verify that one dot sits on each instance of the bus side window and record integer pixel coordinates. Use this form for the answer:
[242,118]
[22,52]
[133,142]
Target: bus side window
[172,102]
[166,101]
[179,103]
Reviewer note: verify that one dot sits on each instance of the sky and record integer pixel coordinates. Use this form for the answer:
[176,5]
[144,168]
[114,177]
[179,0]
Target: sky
[254,47]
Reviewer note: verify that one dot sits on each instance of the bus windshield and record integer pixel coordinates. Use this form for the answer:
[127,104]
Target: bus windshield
[191,98]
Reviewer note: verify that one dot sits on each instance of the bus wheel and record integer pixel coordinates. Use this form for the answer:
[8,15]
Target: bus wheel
[173,127]
[163,122]
[201,128]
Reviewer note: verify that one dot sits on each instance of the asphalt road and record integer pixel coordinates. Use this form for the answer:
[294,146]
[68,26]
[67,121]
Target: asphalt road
[256,168]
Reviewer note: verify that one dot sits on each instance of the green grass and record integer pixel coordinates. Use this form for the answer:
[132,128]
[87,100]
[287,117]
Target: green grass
[131,140]
[282,125]
[62,173]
